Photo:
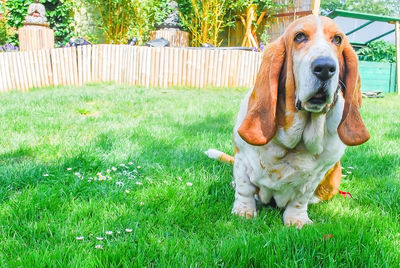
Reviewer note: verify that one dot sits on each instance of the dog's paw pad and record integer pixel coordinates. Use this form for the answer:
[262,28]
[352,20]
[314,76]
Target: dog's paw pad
[245,212]
[298,221]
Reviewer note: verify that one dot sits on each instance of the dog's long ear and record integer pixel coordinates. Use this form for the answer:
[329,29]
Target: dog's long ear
[351,129]
[259,125]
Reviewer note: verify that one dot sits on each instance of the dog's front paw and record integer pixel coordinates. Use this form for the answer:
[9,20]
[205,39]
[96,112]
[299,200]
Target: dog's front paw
[298,219]
[244,210]
[314,200]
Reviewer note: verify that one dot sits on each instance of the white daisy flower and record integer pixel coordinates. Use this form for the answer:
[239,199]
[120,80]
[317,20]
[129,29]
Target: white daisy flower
[128,230]
[79,238]
[114,169]
[139,183]
[141,203]
[130,163]
[189,184]
[69,169]
[100,238]
[127,191]
[45,175]
[109,232]
[98,247]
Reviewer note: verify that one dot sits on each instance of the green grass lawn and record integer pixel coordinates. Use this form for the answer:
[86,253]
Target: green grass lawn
[165,202]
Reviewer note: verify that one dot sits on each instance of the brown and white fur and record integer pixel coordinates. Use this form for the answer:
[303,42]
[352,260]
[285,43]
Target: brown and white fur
[293,126]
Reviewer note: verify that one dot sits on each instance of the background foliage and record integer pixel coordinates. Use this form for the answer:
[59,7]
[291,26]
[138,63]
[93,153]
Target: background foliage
[119,20]
[59,13]
[3,24]
[115,21]
[239,7]
[378,51]
[150,14]
[115,17]
[381,7]
[3,31]
[207,19]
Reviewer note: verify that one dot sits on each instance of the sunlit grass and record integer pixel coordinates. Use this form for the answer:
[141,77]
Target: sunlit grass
[127,165]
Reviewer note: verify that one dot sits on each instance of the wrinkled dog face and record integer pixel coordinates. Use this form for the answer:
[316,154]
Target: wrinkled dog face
[315,53]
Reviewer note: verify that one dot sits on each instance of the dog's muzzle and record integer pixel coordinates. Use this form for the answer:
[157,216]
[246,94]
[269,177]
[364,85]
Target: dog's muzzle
[319,98]
[323,68]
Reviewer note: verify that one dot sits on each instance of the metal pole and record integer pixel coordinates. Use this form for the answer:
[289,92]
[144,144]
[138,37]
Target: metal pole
[315,5]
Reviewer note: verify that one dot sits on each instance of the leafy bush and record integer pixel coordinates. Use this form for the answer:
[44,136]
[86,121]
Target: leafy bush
[254,14]
[379,51]
[119,20]
[59,13]
[3,31]
[3,23]
[150,13]
[115,17]
[206,19]
[87,22]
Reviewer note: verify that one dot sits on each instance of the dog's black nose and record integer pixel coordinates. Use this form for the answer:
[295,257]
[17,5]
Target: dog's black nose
[323,68]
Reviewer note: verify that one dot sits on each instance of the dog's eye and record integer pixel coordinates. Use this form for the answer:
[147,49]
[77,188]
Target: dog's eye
[300,37]
[337,39]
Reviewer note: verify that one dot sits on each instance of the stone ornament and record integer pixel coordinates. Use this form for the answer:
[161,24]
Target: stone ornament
[159,42]
[172,21]
[36,15]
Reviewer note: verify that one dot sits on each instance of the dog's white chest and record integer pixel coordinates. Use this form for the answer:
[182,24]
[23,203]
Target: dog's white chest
[291,172]
[293,175]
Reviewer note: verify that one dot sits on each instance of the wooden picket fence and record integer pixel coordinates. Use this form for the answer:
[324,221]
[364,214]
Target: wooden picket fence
[150,67]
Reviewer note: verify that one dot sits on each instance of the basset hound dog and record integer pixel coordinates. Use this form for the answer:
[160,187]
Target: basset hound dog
[294,125]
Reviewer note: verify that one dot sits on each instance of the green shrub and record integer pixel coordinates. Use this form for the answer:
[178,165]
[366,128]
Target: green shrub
[3,24]
[59,13]
[118,20]
[3,32]
[149,14]
[379,51]
[207,19]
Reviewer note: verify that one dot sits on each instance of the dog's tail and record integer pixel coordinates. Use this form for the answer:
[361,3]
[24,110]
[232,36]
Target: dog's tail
[220,156]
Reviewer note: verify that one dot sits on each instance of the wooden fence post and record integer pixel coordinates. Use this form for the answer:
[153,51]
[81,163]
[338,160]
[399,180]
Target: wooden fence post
[149,67]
